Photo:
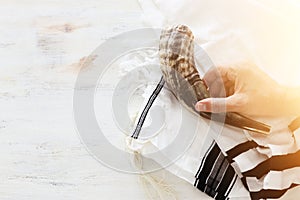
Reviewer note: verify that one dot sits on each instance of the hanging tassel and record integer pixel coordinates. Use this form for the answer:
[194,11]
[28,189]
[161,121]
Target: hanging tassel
[154,187]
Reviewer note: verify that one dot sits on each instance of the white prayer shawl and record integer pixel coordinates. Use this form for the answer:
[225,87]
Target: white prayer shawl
[191,162]
[221,158]
[267,33]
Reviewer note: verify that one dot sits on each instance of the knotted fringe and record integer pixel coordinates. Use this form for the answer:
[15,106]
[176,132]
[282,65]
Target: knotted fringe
[154,187]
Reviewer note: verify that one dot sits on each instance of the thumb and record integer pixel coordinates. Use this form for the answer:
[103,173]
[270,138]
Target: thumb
[218,105]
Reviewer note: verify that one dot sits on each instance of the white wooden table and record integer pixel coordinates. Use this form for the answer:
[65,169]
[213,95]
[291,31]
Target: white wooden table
[42,46]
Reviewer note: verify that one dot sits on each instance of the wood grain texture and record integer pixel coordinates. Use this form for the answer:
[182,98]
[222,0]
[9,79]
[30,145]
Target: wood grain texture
[42,46]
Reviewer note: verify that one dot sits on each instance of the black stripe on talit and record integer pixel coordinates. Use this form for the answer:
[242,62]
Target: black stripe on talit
[231,185]
[207,167]
[244,181]
[142,118]
[239,149]
[222,191]
[274,163]
[270,194]
[203,160]
[216,177]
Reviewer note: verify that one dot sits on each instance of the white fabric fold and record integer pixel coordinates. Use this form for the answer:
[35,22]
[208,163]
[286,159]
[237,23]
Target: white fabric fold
[264,32]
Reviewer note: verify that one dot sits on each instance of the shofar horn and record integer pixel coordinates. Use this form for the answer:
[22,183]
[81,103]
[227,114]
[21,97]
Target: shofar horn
[176,51]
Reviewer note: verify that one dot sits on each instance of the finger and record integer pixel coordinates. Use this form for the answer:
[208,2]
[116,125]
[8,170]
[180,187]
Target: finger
[215,105]
[216,79]
[230,91]
[229,87]
[216,89]
[234,103]
[212,75]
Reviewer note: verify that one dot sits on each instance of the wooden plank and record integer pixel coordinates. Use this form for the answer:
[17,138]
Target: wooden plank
[42,46]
